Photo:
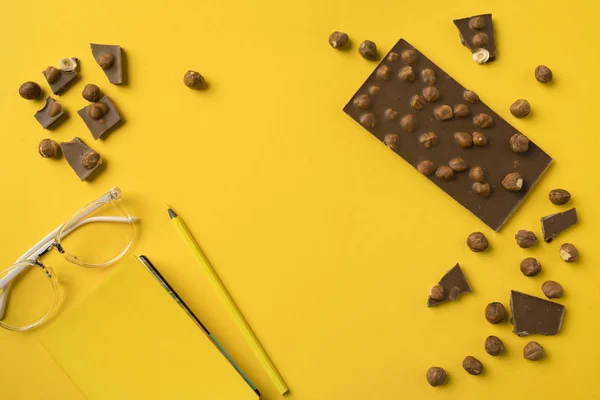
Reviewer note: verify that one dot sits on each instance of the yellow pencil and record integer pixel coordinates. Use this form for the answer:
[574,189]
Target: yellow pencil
[235,313]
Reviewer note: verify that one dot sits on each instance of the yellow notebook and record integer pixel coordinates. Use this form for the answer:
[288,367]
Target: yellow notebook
[131,340]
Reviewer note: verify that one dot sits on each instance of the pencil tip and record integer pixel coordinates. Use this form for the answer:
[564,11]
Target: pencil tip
[172,214]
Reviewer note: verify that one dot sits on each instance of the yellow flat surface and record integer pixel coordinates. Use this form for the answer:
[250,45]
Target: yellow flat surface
[326,240]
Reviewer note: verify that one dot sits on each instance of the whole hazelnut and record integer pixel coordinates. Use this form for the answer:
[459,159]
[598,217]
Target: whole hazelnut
[431,93]
[384,72]
[482,189]
[559,196]
[436,376]
[429,139]
[552,290]
[30,90]
[533,351]
[48,148]
[409,56]
[390,114]
[477,23]
[472,365]
[461,110]
[417,102]
[374,89]
[428,76]
[193,80]
[477,242]
[52,74]
[530,267]
[338,40]
[443,112]
[479,139]
[390,140]
[495,313]
[477,174]
[519,143]
[368,120]
[480,39]
[437,292]
[426,167]
[54,109]
[568,252]
[463,139]
[91,159]
[454,293]
[483,120]
[407,74]
[458,164]
[97,110]
[393,56]
[520,108]
[470,96]
[494,346]
[543,74]
[368,50]
[444,172]
[409,122]
[513,182]
[106,61]
[91,92]
[362,101]
[525,239]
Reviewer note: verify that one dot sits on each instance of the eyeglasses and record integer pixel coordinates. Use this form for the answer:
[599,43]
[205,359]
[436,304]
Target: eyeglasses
[98,235]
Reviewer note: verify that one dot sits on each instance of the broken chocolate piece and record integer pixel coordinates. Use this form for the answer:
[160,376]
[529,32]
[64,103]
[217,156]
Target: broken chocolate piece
[554,224]
[477,34]
[75,151]
[98,127]
[44,118]
[114,73]
[454,284]
[532,315]
[493,205]
[64,80]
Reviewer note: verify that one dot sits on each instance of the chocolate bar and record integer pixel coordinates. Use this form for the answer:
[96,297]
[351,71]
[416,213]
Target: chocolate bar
[114,72]
[454,283]
[436,125]
[77,154]
[477,34]
[99,127]
[532,315]
[65,79]
[554,224]
[44,116]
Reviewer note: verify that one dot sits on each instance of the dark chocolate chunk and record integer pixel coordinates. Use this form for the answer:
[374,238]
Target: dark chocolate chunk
[75,151]
[65,79]
[496,158]
[454,284]
[115,72]
[532,315]
[99,127]
[554,224]
[477,34]
[44,118]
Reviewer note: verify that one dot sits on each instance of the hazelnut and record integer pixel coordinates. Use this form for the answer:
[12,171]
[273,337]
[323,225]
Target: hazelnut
[559,196]
[390,114]
[91,159]
[429,139]
[393,56]
[426,167]
[68,64]
[444,172]
[407,74]
[362,101]
[520,108]
[482,189]
[338,39]
[568,252]
[480,39]
[30,90]
[479,139]
[525,239]
[470,96]
[495,313]
[368,120]
[477,242]
[543,74]
[48,148]
[458,164]
[431,93]
[519,143]
[461,110]
[494,346]
[454,293]
[552,290]
[472,365]
[437,292]
[477,23]
[368,50]
[193,80]
[530,267]
[52,74]
[513,182]
[428,76]
[384,72]
[106,61]
[91,92]
[390,140]
[483,120]
[54,109]
[443,112]
[409,122]
[533,351]
[481,56]
[436,376]
[374,89]
[97,110]
[418,102]
[463,139]
[477,174]
[410,56]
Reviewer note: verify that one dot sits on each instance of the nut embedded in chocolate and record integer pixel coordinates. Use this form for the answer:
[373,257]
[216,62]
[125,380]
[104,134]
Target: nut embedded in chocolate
[48,148]
[368,120]
[384,72]
[530,267]
[91,93]
[552,289]
[431,93]
[477,174]
[368,50]
[519,143]
[444,172]
[494,346]
[193,80]
[480,39]
[390,114]
[106,61]
[525,239]
[477,23]
[417,102]
[470,96]
[409,122]
[458,164]
[482,189]
[54,109]
[362,101]
[443,112]
[477,242]
[559,196]
[426,167]
[52,74]
[407,74]
[495,313]
[437,292]
[472,365]
[374,89]
[543,74]
[520,108]
[338,40]
[390,140]
[513,182]
[436,376]
[91,160]
[463,139]
[533,351]
[483,120]
[429,139]
[568,252]
[410,56]
[461,110]
[428,76]
[393,56]
[481,56]
[479,139]
[97,110]
[29,90]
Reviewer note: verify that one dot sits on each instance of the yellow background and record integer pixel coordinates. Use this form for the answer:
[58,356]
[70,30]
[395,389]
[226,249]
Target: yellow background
[327,241]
